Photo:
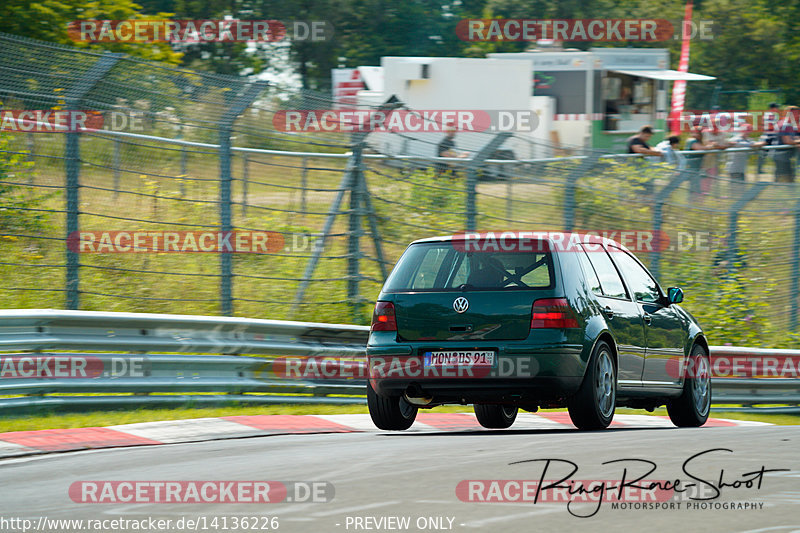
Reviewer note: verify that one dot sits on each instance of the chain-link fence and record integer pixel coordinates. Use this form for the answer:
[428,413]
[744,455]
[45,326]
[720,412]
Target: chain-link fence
[202,153]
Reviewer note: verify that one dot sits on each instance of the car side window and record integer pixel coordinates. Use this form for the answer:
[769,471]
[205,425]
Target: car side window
[610,282]
[644,287]
[429,267]
[589,274]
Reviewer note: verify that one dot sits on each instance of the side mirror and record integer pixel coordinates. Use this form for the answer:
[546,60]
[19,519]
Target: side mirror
[675,295]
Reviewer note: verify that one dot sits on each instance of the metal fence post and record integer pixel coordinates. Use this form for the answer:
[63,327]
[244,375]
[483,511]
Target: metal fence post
[353,182]
[509,193]
[73,98]
[472,176]
[116,164]
[303,184]
[246,97]
[569,189]
[72,155]
[355,231]
[733,220]
[245,180]
[319,244]
[30,157]
[183,165]
[696,181]
[795,268]
[658,213]
[372,218]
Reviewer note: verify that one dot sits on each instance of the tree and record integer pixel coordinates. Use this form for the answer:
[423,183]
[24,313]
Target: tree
[47,20]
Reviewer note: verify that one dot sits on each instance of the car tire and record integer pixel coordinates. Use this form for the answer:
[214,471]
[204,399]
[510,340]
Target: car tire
[495,416]
[691,408]
[392,414]
[592,407]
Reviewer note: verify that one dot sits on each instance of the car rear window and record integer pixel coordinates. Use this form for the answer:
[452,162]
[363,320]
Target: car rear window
[442,266]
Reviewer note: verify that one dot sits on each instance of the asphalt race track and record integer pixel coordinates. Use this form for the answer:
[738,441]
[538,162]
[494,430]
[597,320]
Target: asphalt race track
[381,479]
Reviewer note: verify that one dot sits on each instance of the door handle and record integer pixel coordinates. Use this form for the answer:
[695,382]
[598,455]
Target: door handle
[647,319]
[609,313]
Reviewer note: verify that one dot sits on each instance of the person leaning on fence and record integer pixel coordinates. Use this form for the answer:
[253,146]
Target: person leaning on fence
[770,135]
[737,161]
[447,148]
[715,138]
[669,150]
[788,137]
[694,162]
[637,144]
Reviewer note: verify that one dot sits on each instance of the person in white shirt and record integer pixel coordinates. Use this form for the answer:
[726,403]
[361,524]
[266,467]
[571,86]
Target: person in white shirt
[669,148]
[737,161]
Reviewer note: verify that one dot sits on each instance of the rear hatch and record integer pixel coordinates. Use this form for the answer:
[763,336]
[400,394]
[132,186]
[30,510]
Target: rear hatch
[442,292]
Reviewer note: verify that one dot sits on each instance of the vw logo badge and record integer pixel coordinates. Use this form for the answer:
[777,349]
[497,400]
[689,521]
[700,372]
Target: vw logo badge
[461,304]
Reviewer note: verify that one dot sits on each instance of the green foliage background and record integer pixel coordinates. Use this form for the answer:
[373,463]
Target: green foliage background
[754,43]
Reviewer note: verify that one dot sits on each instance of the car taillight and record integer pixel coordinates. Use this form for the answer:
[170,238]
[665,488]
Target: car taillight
[553,313]
[383,318]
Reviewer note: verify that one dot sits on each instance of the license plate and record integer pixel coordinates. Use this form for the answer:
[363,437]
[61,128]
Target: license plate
[469,358]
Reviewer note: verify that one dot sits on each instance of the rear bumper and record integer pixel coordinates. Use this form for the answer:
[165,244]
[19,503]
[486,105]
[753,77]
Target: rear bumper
[521,374]
[533,392]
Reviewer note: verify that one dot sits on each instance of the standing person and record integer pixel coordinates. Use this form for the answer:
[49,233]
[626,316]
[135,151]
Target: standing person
[770,135]
[715,138]
[737,161]
[694,162]
[787,136]
[669,149]
[637,144]
[447,148]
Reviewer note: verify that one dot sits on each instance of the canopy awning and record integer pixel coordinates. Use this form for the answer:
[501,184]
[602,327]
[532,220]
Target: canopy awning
[665,75]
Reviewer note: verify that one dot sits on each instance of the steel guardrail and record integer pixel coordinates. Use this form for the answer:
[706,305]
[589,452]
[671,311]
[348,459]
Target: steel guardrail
[139,359]
[153,359]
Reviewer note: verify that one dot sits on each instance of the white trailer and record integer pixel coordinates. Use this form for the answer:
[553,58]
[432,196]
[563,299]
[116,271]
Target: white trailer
[444,83]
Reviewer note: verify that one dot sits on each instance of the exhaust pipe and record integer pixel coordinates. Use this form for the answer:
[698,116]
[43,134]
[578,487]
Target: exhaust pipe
[415,396]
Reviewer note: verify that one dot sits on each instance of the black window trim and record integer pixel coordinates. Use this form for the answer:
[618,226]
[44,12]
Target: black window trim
[580,263]
[660,301]
[628,297]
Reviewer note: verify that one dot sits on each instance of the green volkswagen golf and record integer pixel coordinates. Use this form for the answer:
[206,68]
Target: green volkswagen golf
[529,320]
